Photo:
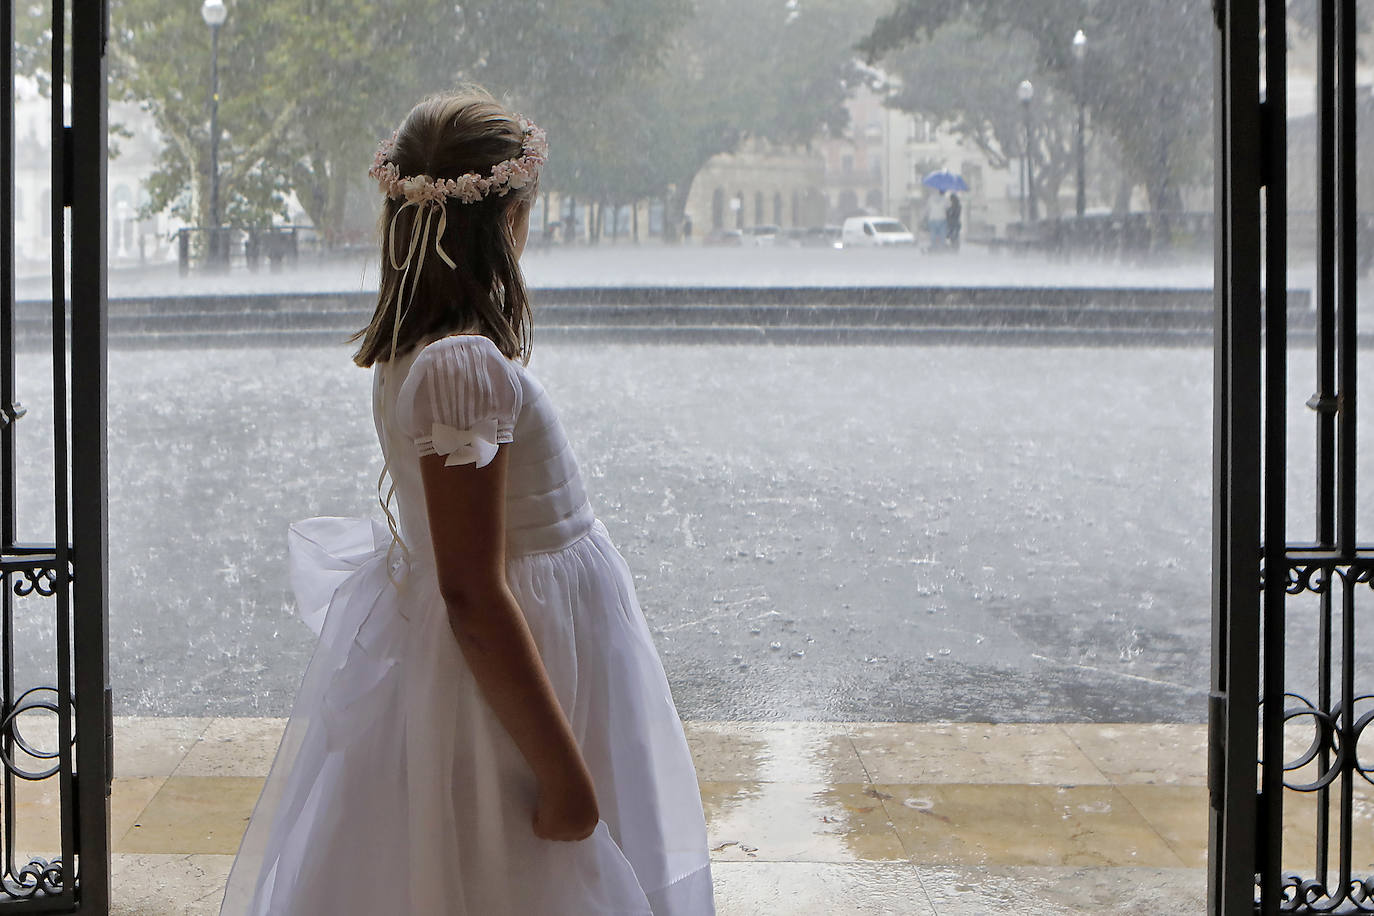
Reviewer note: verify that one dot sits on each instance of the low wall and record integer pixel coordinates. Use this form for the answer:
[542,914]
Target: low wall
[1119,315]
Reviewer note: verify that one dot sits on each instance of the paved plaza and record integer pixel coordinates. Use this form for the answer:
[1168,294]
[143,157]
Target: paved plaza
[936,617]
[1009,534]
[803,819]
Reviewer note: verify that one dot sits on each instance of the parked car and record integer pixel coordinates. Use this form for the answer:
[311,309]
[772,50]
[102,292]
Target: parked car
[765,234]
[874,232]
[731,237]
[822,237]
[793,238]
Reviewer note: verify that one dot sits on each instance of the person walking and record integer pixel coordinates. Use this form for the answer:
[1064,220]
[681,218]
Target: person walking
[953,220]
[485,726]
[935,219]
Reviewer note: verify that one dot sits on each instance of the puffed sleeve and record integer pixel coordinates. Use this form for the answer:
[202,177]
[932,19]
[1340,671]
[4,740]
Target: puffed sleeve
[460,398]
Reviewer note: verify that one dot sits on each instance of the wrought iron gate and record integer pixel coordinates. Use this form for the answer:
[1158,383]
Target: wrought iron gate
[1284,611]
[68,768]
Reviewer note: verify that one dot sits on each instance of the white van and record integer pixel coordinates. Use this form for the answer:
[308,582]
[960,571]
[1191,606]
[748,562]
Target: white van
[874,231]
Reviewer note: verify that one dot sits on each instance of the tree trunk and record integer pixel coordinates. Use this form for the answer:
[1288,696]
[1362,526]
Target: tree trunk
[1124,189]
[338,203]
[675,209]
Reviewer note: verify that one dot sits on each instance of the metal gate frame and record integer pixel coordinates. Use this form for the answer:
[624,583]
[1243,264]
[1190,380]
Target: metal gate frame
[71,570]
[1255,567]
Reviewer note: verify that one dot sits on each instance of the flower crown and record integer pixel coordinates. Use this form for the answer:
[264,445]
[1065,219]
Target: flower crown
[470,187]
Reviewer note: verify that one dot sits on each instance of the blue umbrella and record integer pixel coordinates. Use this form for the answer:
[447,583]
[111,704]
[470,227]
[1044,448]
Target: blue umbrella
[945,180]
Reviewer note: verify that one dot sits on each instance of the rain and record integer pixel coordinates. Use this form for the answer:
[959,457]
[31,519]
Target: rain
[1013,527]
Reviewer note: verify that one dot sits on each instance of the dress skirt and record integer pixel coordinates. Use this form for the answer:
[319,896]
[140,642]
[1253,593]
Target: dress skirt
[397,790]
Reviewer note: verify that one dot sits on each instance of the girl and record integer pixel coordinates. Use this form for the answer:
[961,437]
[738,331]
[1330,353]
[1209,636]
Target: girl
[485,727]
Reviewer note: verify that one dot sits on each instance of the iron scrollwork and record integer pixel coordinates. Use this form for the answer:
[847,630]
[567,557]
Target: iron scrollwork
[1315,574]
[40,877]
[23,757]
[35,698]
[1333,751]
[32,575]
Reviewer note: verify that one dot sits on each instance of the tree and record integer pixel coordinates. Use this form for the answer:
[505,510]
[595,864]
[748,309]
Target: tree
[945,79]
[159,58]
[308,86]
[779,70]
[1147,76]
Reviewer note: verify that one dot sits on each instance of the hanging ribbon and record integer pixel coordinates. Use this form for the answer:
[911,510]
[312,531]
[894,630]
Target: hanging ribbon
[419,241]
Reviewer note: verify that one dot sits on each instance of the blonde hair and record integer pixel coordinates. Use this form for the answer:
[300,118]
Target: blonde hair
[445,136]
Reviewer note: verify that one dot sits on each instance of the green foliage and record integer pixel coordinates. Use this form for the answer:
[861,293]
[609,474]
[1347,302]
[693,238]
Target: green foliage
[945,78]
[160,59]
[636,94]
[1147,79]
[778,70]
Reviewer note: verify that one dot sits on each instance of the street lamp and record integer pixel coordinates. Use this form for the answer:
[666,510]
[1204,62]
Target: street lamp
[1025,92]
[1080,50]
[214,14]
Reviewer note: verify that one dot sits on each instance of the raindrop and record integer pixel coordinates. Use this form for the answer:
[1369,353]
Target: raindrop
[798,653]
[775,645]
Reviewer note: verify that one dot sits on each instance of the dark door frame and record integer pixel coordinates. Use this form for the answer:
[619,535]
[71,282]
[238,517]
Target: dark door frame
[70,572]
[1256,567]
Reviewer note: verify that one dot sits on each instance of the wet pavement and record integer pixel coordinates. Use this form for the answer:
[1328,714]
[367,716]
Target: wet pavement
[990,534]
[802,818]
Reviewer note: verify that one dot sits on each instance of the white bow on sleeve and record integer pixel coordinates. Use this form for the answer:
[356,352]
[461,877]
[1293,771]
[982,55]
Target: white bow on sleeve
[466,446]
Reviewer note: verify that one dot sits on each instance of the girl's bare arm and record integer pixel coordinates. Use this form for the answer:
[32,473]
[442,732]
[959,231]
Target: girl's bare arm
[466,507]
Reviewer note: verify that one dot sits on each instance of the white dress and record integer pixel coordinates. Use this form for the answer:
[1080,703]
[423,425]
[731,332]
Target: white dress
[396,789]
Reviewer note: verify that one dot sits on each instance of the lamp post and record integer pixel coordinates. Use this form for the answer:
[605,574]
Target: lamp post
[1025,92]
[214,14]
[1080,49]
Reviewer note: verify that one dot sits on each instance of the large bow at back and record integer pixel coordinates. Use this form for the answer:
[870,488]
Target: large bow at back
[466,446]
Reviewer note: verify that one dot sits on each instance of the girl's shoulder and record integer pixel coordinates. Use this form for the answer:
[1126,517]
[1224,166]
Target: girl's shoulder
[463,353]
[476,344]
[457,379]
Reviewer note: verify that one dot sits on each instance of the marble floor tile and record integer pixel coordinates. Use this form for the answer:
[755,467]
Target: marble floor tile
[1178,814]
[153,745]
[959,752]
[37,828]
[1022,825]
[1300,831]
[163,885]
[1154,754]
[773,752]
[193,815]
[819,889]
[1041,891]
[786,821]
[234,747]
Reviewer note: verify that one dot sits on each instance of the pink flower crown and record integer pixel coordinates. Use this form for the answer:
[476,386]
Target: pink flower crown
[470,187]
